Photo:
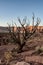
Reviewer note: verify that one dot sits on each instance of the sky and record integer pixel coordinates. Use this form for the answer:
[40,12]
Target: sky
[11,9]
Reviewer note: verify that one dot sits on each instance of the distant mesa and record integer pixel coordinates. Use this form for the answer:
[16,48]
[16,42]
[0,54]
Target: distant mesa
[5,29]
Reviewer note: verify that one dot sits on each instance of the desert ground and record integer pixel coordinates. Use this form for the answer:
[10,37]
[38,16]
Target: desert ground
[32,52]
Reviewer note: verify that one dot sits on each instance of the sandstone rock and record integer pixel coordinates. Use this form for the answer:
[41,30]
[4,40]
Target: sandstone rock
[22,63]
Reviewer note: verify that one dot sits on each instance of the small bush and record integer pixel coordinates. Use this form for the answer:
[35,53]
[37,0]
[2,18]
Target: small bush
[41,48]
[37,48]
[8,56]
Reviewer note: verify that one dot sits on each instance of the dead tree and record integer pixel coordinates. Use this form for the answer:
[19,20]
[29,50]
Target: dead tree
[21,36]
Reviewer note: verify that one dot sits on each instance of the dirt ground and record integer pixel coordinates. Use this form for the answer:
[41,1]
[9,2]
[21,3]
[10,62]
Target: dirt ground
[32,52]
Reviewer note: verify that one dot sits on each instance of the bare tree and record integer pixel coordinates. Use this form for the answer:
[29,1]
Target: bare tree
[22,34]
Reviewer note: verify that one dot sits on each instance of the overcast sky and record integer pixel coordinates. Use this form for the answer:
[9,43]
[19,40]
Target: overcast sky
[11,9]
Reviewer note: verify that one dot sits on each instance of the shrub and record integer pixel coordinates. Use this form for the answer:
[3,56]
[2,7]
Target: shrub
[8,56]
[41,48]
[37,48]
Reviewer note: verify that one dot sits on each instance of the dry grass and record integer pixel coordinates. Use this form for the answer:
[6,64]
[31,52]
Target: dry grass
[8,56]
